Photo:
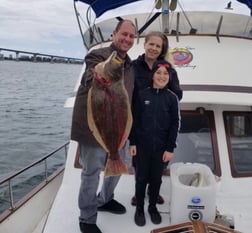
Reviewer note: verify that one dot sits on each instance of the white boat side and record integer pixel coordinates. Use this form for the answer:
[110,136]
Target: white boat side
[212,65]
[216,79]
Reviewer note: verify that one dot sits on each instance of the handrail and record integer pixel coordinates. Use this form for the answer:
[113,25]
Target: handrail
[10,178]
[34,163]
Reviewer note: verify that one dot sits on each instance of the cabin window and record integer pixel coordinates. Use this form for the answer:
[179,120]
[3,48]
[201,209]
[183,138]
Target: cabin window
[197,140]
[238,126]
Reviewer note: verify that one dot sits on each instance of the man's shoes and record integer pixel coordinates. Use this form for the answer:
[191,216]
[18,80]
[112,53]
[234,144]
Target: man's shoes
[154,215]
[113,207]
[160,200]
[139,217]
[89,228]
[133,201]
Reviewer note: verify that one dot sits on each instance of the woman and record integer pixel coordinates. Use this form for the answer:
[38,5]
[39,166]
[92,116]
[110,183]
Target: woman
[156,48]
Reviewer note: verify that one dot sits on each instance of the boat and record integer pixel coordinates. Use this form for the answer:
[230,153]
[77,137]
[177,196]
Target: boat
[210,42]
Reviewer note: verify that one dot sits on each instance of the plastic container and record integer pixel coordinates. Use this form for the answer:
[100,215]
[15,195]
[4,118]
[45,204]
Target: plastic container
[193,193]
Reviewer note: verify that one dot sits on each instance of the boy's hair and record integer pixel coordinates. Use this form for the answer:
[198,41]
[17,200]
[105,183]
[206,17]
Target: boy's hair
[161,63]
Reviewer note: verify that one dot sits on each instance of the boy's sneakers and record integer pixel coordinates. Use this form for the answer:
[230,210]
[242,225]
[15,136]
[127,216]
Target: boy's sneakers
[154,214]
[139,216]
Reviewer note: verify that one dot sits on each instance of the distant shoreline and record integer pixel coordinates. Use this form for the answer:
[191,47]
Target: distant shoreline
[41,59]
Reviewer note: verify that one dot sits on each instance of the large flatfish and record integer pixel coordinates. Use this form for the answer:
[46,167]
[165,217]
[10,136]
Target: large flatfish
[109,113]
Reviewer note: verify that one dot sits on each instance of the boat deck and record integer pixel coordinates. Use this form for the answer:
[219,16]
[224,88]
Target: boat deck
[67,202]
[64,214]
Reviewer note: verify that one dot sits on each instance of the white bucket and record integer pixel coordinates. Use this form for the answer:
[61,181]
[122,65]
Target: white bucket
[193,193]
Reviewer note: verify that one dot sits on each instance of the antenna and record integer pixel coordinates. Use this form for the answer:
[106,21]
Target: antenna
[218,29]
[77,17]
[165,16]
[177,27]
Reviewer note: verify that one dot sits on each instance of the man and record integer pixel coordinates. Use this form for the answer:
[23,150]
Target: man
[92,156]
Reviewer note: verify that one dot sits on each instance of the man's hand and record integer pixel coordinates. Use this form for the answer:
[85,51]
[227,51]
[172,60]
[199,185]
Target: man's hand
[132,150]
[99,69]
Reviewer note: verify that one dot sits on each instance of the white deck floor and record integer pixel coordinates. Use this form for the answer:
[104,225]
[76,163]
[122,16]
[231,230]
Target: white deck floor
[64,214]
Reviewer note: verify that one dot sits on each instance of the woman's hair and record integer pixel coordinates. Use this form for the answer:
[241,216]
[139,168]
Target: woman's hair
[165,44]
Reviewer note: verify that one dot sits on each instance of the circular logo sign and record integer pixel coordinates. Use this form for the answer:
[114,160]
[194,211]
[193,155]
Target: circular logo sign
[181,56]
[195,215]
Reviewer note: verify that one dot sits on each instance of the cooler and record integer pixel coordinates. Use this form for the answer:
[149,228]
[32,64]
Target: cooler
[193,193]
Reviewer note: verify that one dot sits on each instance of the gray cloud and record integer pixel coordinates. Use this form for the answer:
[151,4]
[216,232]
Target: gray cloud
[42,25]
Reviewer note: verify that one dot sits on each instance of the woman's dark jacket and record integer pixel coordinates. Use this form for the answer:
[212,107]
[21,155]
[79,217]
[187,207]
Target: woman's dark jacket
[156,120]
[80,131]
[143,78]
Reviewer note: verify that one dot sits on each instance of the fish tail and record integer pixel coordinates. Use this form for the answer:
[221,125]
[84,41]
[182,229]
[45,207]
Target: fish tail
[115,167]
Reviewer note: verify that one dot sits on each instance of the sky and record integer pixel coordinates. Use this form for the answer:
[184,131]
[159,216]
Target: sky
[50,26]
[43,26]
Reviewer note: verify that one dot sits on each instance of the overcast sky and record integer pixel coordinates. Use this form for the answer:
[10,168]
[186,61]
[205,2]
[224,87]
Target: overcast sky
[44,26]
[50,26]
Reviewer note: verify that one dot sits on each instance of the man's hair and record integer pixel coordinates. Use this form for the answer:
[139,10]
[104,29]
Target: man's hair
[119,24]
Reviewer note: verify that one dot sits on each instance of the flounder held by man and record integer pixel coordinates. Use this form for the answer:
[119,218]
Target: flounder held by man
[109,113]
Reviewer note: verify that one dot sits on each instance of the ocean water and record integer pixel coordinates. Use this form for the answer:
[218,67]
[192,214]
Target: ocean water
[33,120]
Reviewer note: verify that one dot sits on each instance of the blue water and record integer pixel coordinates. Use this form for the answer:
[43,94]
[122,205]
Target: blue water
[33,120]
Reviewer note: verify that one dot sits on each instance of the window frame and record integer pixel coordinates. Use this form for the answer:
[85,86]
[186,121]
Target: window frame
[213,134]
[234,172]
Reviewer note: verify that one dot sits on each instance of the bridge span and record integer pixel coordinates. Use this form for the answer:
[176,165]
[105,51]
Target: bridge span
[23,55]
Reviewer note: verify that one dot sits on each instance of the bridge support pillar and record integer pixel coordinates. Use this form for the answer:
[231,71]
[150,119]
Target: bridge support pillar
[1,55]
[34,57]
[17,57]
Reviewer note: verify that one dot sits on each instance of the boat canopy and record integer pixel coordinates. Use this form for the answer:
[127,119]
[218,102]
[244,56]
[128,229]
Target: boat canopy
[248,3]
[101,6]
[217,18]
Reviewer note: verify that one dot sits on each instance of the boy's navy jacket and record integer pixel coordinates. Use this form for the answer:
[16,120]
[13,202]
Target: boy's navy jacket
[156,120]
[143,78]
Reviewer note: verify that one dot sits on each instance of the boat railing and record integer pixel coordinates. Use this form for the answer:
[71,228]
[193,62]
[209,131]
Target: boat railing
[32,178]
[214,24]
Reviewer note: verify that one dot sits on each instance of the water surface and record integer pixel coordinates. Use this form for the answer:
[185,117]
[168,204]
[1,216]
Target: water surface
[33,120]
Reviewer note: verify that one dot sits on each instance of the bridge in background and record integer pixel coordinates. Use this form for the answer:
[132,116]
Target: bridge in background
[24,55]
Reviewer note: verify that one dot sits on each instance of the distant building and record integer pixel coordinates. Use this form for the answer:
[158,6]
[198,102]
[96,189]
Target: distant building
[24,58]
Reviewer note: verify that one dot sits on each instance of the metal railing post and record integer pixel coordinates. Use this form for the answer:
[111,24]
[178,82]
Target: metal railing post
[11,195]
[46,172]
